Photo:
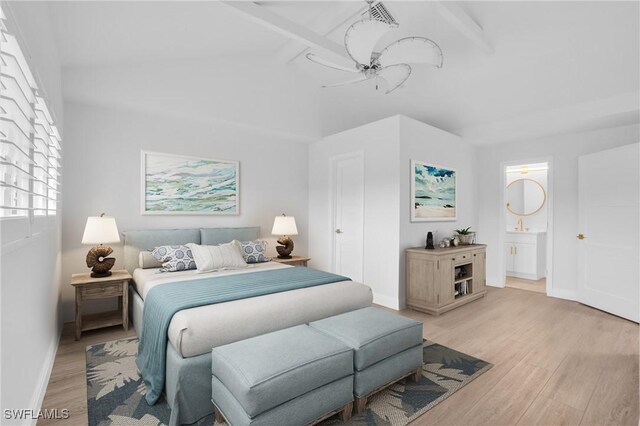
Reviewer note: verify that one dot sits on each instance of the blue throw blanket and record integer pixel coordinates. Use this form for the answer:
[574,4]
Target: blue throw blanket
[163,301]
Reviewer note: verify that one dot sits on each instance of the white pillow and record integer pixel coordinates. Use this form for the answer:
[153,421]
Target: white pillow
[147,261]
[214,258]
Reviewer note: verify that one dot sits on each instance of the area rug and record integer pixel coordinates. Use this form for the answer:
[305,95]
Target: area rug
[115,390]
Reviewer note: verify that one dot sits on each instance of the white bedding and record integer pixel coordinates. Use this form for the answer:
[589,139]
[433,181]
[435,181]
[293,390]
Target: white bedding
[146,279]
[196,331]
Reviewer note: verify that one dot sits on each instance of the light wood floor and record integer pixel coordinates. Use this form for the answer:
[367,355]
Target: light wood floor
[555,363]
[539,286]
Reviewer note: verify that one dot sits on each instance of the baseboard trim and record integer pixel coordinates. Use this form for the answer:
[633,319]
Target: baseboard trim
[45,375]
[386,301]
[562,294]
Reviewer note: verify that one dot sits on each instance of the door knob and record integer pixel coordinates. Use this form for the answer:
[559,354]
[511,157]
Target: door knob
[338,231]
[580,236]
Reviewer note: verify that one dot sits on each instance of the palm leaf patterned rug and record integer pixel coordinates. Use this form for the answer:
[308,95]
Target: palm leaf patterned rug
[115,390]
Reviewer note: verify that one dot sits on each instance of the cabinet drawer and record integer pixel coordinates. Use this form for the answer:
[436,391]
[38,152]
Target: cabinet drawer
[111,290]
[462,258]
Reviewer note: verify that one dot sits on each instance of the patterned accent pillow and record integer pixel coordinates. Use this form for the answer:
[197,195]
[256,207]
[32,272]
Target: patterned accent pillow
[253,251]
[174,258]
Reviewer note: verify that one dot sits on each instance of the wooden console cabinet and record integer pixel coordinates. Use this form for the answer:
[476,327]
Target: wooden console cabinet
[442,279]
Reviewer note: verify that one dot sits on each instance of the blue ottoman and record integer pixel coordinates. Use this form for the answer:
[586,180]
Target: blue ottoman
[289,377]
[387,347]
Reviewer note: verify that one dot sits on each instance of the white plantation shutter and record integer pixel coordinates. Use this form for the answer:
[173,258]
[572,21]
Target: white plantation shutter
[30,145]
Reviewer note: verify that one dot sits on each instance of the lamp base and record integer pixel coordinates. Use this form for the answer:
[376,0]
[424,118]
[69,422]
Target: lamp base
[98,261]
[284,251]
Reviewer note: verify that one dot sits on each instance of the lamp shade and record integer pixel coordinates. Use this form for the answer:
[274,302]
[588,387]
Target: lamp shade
[100,230]
[284,225]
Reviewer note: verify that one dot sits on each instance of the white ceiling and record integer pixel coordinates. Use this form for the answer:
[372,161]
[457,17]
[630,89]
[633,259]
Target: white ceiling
[574,60]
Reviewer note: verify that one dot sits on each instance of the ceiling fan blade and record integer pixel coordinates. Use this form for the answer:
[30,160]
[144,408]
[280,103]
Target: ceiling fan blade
[394,76]
[360,78]
[412,50]
[318,60]
[361,38]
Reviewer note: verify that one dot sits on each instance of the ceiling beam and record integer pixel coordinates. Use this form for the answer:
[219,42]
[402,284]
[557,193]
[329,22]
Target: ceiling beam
[457,17]
[277,23]
[326,24]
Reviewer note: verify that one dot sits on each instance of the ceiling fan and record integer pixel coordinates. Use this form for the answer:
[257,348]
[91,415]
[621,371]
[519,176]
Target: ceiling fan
[391,64]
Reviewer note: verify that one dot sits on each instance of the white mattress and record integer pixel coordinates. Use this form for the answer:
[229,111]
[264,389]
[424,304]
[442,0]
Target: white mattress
[196,331]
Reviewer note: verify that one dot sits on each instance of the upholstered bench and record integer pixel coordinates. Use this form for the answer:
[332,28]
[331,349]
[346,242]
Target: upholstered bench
[294,376]
[387,347]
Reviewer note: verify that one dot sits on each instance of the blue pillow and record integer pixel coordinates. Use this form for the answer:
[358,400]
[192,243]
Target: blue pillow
[174,258]
[253,251]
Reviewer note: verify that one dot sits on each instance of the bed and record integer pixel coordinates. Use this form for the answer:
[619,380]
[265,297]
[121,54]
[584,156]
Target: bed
[193,332]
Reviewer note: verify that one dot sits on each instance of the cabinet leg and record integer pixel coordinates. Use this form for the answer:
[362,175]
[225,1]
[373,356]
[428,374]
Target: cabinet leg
[78,315]
[124,299]
[361,403]
[417,375]
[345,414]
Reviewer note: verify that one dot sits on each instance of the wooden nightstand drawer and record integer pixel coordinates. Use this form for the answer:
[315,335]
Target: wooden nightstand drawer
[111,290]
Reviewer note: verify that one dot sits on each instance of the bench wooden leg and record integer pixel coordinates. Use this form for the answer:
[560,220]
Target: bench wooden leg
[361,402]
[345,414]
[219,417]
[417,376]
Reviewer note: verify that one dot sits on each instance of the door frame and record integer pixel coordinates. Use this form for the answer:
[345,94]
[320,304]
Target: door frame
[358,154]
[502,219]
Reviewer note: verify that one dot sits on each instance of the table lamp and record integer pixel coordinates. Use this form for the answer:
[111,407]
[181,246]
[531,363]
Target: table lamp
[284,225]
[100,230]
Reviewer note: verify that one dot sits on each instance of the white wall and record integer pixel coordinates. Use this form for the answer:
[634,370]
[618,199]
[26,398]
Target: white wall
[564,151]
[102,174]
[422,142]
[30,269]
[380,143]
[388,147]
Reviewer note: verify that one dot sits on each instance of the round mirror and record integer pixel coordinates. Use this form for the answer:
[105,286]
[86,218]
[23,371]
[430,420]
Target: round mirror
[525,197]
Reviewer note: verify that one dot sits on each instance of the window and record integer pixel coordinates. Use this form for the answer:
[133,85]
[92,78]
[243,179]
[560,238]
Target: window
[30,145]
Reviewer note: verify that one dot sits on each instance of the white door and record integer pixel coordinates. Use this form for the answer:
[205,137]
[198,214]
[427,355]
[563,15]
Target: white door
[348,215]
[608,276]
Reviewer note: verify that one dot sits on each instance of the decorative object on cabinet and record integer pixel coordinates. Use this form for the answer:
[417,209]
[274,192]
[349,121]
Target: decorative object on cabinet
[284,225]
[429,245]
[181,185]
[443,279]
[520,205]
[100,230]
[466,236]
[433,193]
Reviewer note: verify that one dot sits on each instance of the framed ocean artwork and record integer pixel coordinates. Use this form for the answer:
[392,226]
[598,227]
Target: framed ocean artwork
[181,185]
[433,192]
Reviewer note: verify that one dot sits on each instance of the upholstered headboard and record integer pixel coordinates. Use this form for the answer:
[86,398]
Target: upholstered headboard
[136,241]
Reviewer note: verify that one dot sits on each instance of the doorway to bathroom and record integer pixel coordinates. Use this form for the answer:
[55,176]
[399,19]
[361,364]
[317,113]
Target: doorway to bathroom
[526,225]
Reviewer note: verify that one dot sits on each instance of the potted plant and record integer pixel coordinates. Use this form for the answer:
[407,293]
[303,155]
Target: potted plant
[466,236]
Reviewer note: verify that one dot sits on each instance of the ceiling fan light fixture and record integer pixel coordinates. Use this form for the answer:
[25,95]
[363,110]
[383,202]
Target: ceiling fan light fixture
[391,64]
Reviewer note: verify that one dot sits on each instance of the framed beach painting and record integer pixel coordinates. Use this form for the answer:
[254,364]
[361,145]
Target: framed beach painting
[181,185]
[433,192]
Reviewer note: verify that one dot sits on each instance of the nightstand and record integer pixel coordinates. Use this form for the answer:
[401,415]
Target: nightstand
[87,288]
[294,261]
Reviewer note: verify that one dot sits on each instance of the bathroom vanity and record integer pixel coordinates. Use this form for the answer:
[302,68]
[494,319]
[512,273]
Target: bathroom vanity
[525,254]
